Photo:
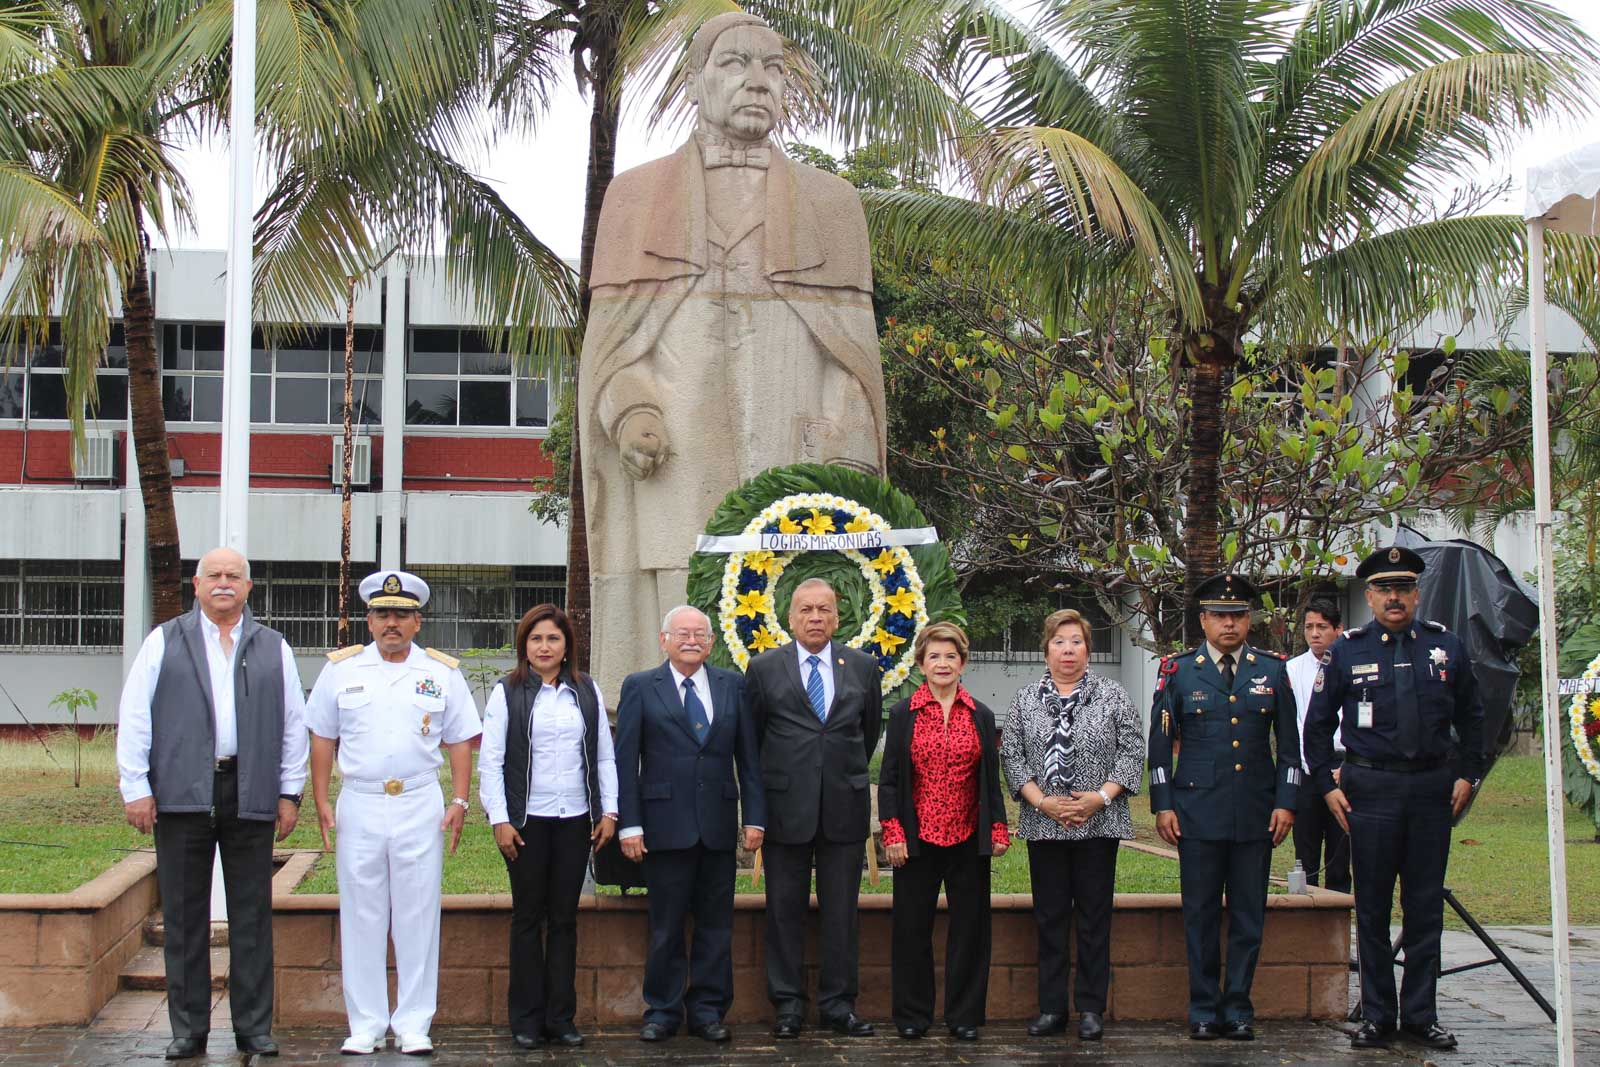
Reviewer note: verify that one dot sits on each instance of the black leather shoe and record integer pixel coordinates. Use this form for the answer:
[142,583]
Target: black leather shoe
[255,1044]
[851,1025]
[714,1032]
[911,1033]
[1238,1031]
[1048,1025]
[1433,1035]
[1204,1032]
[1090,1026]
[186,1048]
[526,1041]
[964,1033]
[569,1038]
[1370,1035]
[654,1032]
[788,1026]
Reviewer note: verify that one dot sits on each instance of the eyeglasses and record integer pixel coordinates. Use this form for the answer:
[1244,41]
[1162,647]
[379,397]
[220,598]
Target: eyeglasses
[689,635]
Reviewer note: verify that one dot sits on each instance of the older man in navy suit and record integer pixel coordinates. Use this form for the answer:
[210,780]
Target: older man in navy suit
[680,737]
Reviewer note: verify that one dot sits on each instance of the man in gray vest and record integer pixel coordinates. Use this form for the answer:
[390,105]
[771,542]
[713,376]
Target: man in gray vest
[211,750]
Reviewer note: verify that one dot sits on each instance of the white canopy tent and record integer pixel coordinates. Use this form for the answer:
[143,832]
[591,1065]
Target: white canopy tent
[1564,196]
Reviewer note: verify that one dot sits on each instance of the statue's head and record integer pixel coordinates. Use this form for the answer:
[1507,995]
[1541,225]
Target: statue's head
[737,76]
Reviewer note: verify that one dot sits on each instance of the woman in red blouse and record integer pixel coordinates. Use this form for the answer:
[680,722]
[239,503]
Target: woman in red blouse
[943,816]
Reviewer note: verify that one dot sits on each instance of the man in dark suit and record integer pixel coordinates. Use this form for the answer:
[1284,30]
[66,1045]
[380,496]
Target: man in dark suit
[817,707]
[1230,799]
[680,734]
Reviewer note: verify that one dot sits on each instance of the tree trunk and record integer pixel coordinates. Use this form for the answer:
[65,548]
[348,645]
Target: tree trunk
[603,121]
[1201,517]
[150,441]
[345,464]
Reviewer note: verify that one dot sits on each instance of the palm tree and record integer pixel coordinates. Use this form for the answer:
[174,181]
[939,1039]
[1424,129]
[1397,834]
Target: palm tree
[359,123]
[1272,165]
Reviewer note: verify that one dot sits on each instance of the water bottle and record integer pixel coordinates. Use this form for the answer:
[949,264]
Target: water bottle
[1297,878]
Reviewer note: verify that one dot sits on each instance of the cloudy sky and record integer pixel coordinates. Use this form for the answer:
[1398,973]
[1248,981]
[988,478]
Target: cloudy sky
[542,176]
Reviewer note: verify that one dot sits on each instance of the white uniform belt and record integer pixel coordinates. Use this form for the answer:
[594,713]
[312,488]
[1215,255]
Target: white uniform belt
[392,786]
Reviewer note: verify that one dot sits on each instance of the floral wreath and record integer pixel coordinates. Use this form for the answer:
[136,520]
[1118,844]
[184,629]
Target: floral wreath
[1583,717]
[887,594]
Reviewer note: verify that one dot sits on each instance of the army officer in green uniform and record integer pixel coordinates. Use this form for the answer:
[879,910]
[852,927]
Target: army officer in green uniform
[1230,799]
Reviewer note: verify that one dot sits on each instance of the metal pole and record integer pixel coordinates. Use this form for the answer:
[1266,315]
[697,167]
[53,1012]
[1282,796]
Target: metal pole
[234,496]
[1555,812]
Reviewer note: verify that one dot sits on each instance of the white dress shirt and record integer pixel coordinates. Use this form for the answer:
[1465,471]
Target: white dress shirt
[1303,677]
[560,785]
[134,728]
[825,665]
[702,689]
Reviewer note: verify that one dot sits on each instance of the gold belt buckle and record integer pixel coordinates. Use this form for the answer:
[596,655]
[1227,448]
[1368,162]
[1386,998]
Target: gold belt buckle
[394,787]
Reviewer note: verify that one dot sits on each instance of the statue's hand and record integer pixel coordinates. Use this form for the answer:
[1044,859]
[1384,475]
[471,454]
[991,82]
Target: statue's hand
[643,441]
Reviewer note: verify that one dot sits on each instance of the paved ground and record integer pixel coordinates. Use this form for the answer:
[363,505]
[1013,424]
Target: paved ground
[1497,1023]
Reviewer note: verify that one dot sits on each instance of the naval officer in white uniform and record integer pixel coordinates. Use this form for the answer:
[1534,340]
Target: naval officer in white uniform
[389,707]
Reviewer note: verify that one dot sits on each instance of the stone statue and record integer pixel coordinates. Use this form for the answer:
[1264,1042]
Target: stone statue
[730,331]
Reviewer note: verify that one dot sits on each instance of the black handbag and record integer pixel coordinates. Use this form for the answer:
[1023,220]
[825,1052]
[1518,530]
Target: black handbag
[610,867]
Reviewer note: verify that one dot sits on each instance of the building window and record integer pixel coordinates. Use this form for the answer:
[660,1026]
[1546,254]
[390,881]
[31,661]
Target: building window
[1019,643]
[33,383]
[301,601]
[454,377]
[478,607]
[298,379]
[61,605]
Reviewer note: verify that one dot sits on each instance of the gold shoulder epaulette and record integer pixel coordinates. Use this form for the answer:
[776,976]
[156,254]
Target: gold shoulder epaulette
[340,654]
[443,657]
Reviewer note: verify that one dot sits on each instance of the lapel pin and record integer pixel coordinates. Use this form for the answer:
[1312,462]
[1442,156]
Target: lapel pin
[841,661]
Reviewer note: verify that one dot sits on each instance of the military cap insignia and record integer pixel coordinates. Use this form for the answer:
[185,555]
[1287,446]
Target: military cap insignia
[391,584]
[1394,555]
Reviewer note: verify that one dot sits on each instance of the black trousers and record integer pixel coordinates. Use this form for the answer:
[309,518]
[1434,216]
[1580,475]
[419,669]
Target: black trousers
[684,882]
[1073,880]
[1399,828]
[546,880]
[1320,843]
[964,873]
[185,845]
[788,874]
[1207,869]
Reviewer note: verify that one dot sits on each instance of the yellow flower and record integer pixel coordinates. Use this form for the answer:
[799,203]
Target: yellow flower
[754,604]
[818,523]
[761,640]
[884,562]
[886,641]
[905,602]
[760,562]
[859,524]
[787,525]
[1594,708]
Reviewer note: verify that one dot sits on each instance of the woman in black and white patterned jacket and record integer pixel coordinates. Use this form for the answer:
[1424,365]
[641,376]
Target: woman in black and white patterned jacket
[1073,751]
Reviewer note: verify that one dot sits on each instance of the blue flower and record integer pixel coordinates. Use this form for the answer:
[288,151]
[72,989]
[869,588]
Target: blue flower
[750,581]
[899,625]
[896,580]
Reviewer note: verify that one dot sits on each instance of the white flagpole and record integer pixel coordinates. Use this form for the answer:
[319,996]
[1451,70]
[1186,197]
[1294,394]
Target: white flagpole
[1554,799]
[234,494]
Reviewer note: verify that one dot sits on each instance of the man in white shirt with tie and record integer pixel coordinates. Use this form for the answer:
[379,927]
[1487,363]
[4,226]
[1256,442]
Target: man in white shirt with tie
[1320,844]
[681,738]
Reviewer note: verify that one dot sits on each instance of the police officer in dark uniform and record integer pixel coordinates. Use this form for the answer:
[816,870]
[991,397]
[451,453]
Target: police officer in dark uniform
[1230,800]
[1397,688]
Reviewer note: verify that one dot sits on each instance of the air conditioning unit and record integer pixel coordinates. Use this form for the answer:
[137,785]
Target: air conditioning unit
[96,459]
[361,461]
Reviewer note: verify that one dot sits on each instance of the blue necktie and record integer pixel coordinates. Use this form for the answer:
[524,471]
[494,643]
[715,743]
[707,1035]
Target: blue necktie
[1407,716]
[819,703]
[696,710]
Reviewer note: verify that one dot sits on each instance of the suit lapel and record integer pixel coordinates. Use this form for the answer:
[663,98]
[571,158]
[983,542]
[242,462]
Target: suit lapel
[841,681]
[667,691]
[790,656]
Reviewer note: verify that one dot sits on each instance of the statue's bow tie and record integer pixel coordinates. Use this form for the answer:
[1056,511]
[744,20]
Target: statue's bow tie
[718,155]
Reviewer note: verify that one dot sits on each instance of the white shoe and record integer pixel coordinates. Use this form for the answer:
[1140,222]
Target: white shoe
[415,1044]
[360,1045]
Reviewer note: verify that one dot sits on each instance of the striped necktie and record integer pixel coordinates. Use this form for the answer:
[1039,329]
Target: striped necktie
[819,705]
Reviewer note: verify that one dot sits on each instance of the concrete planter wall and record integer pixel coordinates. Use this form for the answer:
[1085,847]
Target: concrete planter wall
[61,953]
[1303,973]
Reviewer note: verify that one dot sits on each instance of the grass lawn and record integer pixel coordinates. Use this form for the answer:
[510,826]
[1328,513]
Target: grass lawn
[1497,860]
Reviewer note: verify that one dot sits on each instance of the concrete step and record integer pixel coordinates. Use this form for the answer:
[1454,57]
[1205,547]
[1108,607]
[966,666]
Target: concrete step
[147,970]
[155,932]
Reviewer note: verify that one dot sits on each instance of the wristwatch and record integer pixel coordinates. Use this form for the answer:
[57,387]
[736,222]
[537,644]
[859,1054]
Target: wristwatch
[462,801]
[1105,798]
[293,798]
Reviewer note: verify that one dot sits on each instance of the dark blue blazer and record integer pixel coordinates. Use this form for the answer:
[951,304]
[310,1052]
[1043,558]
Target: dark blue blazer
[681,792]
